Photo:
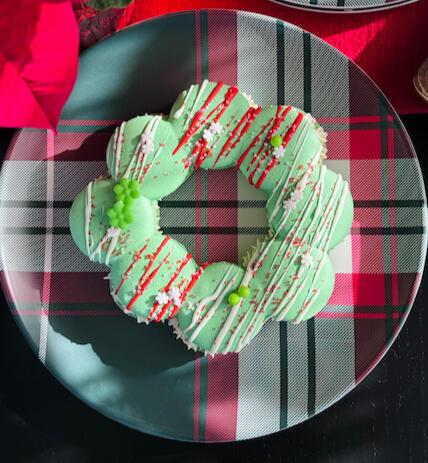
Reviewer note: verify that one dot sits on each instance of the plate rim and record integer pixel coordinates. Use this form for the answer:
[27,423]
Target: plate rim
[339,9]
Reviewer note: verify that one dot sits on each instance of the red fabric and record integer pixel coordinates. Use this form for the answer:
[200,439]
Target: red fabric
[389,45]
[38,62]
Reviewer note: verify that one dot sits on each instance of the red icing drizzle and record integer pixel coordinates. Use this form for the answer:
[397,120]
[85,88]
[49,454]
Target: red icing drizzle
[186,291]
[192,129]
[230,95]
[137,258]
[278,120]
[291,131]
[249,116]
[142,286]
[167,288]
[253,143]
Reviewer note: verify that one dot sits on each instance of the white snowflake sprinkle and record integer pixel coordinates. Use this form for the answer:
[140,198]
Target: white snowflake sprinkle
[146,137]
[296,195]
[307,259]
[147,143]
[289,205]
[162,298]
[208,135]
[278,152]
[216,127]
[175,295]
[112,232]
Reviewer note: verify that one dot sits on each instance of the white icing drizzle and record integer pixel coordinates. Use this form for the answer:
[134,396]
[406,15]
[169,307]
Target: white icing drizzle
[291,295]
[88,213]
[248,275]
[180,110]
[217,297]
[139,157]
[206,300]
[286,243]
[303,181]
[113,234]
[311,293]
[225,328]
[143,173]
[212,310]
[195,103]
[119,146]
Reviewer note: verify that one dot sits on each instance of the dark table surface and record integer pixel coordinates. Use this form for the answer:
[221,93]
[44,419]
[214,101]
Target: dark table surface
[384,419]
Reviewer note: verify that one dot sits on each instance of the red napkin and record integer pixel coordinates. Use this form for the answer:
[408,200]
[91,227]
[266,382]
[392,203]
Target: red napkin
[389,45]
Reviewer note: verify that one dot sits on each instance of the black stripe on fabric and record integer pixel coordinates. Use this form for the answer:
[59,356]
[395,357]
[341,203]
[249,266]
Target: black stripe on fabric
[218,230]
[280,54]
[311,366]
[307,84]
[226,203]
[388,231]
[36,204]
[389,203]
[283,414]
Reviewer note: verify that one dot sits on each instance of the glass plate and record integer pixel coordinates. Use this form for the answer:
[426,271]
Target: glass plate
[140,375]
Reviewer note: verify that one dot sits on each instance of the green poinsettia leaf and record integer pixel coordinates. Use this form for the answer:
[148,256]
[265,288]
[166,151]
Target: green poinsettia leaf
[106,4]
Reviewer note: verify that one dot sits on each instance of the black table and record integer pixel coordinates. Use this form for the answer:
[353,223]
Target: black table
[384,419]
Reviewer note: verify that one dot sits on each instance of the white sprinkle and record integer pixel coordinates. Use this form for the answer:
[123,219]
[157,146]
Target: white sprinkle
[162,298]
[307,259]
[289,205]
[216,127]
[208,135]
[278,152]
[296,195]
[175,295]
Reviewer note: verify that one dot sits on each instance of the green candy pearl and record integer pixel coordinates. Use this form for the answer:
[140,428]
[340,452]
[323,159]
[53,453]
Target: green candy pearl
[244,291]
[118,189]
[134,186]
[114,222]
[125,182]
[275,141]
[118,206]
[128,201]
[135,194]
[234,299]
[111,213]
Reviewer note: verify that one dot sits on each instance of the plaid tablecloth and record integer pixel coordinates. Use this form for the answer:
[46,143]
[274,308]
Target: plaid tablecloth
[140,375]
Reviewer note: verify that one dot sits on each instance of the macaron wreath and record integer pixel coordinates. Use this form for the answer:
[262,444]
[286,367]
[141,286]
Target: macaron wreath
[216,307]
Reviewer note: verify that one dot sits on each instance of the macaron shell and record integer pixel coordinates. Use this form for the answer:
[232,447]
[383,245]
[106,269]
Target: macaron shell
[218,156]
[103,198]
[207,310]
[159,172]
[258,163]
[283,285]
[153,267]
[275,209]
